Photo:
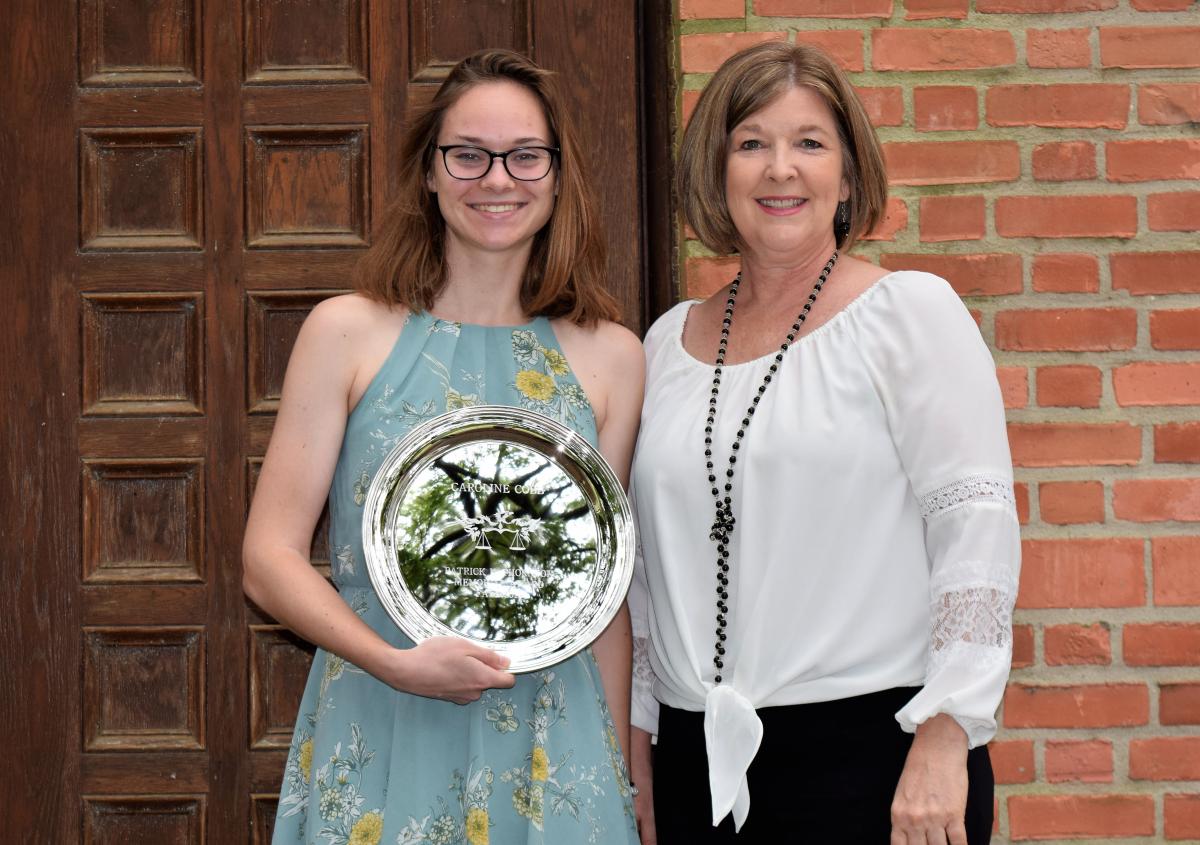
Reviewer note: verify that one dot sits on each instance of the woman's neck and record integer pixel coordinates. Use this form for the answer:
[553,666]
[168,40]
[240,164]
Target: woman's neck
[773,279]
[483,287]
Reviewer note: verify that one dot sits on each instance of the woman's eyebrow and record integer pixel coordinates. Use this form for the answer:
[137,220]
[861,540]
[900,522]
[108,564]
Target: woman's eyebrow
[805,128]
[479,142]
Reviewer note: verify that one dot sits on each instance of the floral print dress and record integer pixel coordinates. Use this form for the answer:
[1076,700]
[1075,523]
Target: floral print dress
[538,763]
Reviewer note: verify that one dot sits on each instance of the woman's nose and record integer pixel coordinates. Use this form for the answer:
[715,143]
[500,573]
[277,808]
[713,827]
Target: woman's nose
[781,166]
[497,177]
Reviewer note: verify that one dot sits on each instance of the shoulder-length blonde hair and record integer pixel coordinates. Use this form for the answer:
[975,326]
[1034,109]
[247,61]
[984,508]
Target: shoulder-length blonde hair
[564,277]
[746,82]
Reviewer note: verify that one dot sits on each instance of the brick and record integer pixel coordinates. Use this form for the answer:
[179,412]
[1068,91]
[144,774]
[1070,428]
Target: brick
[1099,572]
[1069,386]
[1181,817]
[1179,704]
[1157,499]
[1177,443]
[1067,217]
[1175,329]
[895,220]
[1014,386]
[1074,444]
[1012,760]
[845,46]
[1165,758]
[824,8]
[1169,104]
[706,275]
[952,162]
[1066,273]
[884,106]
[1021,493]
[1022,653]
[1071,502]
[1076,645]
[1064,161]
[1162,644]
[1080,816]
[1088,761]
[921,10]
[1042,6]
[696,9]
[937,108]
[970,275]
[941,49]
[1162,5]
[1150,46]
[1178,212]
[704,52]
[1176,571]
[952,218]
[1145,161]
[1146,383]
[1082,706]
[1057,48]
[1083,105]
[1072,329]
[1143,273]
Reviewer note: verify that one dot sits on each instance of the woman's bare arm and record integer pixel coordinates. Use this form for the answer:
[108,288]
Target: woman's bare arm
[290,494]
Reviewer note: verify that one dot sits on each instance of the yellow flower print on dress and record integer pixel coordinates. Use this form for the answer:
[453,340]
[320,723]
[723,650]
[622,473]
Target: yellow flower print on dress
[556,362]
[305,759]
[535,385]
[539,767]
[367,831]
[477,826]
[544,381]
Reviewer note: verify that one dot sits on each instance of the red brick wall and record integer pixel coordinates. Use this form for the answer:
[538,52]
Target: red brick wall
[1045,158]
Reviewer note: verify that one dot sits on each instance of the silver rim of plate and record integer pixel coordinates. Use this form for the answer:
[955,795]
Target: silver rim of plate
[542,569]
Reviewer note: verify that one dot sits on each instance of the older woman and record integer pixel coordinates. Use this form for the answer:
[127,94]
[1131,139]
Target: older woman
[824,493]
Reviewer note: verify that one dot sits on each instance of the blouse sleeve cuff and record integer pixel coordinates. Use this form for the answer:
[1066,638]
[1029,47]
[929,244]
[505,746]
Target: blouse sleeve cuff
[967,695]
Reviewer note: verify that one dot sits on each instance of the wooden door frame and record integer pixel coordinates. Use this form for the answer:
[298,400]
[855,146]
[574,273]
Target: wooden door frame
[657,66]
[40,536]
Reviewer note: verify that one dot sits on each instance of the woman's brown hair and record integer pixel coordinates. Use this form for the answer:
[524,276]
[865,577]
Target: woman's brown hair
[565,275]
[749,81]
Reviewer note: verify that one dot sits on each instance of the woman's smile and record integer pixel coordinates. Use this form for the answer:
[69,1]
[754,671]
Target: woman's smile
[781,206]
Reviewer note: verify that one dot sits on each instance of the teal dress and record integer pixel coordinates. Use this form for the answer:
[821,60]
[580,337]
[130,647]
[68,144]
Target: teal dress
[538,763]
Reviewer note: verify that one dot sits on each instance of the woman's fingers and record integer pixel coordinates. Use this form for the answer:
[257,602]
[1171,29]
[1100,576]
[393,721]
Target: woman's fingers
[957,832]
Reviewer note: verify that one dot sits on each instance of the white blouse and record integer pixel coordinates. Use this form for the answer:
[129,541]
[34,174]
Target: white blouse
[876,543]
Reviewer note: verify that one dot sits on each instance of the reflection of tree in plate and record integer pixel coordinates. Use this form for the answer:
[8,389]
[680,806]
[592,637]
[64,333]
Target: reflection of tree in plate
[496,541]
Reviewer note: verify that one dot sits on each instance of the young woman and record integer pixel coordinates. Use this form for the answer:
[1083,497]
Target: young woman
[485,286]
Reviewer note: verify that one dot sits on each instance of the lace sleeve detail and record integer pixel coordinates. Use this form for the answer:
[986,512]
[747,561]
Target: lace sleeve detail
[974,489]
[643,672]
[973,620]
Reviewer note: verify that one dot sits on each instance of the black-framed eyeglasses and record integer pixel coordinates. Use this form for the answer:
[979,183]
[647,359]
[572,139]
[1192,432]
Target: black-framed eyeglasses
[525,164]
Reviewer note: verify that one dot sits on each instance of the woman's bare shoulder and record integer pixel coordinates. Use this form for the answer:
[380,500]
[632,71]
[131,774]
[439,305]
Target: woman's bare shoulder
[354,312]
[614,343]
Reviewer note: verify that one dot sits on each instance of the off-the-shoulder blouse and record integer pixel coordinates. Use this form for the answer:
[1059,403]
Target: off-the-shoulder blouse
[876,545]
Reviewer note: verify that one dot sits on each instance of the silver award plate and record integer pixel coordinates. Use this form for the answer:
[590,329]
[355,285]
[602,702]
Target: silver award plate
[501,526]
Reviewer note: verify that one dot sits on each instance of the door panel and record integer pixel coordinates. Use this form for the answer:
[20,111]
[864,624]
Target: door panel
[188,178]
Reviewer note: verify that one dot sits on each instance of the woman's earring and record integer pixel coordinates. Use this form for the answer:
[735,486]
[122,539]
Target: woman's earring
[841,221]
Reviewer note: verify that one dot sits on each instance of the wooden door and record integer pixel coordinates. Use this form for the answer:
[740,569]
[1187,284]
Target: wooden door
[182,181]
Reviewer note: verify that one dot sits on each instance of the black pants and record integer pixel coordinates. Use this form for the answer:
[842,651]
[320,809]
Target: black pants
[825,773]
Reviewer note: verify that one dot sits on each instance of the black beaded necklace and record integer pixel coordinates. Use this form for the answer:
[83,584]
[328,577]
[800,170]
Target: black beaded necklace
[723,524]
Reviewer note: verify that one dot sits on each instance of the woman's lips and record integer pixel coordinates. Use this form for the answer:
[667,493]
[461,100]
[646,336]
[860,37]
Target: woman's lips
[781,206]
[496,208]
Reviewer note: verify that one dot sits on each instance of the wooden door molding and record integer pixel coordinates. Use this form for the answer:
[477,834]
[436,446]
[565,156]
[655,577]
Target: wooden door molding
[40,491]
